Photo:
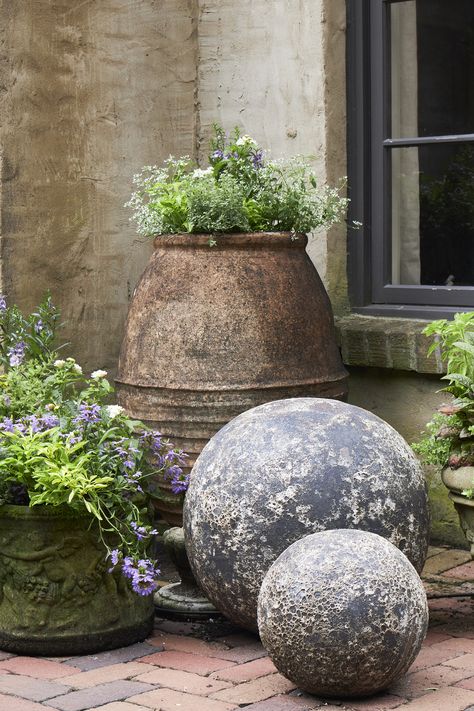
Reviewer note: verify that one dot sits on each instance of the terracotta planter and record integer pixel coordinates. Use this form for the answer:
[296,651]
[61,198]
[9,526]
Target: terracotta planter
[167,504]
[214,331]
[457,480]
[56,596]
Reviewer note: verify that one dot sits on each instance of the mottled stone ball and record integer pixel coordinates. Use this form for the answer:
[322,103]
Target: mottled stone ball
[342,613]
[289,468]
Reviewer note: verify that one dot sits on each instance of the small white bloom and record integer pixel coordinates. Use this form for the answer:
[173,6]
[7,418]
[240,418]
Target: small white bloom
[114,410]
[59,363]
[77,368]
[98,374]
[245,140]
[200,173]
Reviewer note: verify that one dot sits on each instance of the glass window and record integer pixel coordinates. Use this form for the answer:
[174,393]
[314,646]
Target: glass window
[411,154]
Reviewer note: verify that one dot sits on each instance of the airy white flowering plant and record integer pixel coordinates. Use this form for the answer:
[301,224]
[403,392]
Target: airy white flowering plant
[61,444]
[239,191]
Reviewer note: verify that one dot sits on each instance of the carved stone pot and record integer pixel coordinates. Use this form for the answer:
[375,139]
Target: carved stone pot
[214,331]
[457,481]
[57,597]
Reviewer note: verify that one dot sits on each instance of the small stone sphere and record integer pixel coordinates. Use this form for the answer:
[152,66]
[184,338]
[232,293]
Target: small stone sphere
[289,468]
[342,613]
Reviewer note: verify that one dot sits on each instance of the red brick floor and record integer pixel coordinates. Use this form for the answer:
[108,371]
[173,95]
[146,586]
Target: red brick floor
[213,667]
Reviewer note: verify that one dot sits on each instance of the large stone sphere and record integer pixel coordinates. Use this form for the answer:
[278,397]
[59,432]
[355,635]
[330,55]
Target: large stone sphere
[342,613]
[289,468]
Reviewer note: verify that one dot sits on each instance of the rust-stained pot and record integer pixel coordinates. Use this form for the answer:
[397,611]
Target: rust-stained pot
[214,331]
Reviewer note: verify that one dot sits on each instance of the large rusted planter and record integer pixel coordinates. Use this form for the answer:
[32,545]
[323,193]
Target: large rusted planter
[214,331]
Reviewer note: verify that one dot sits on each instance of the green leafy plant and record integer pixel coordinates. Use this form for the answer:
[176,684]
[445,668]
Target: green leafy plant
[449,440]
[239,191]
[63,445]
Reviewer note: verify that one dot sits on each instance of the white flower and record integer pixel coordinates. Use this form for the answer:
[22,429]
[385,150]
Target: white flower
[98,374]
[59,363]
[77,368]
[245,140]
[114,410]
[200,173]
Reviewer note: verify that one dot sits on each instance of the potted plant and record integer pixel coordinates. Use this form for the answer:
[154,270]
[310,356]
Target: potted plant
[230,312]
[76,575]
[449,440]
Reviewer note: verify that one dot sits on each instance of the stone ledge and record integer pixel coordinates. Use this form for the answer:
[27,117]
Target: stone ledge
[385,342]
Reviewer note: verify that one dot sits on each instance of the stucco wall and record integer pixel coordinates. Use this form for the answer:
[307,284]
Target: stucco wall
[91,91]
[407,401]
[277,69]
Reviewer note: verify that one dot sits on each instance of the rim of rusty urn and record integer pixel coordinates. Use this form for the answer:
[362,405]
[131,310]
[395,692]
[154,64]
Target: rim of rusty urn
[293,240]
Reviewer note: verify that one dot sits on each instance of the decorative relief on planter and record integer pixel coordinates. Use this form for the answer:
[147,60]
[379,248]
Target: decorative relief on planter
[56,594]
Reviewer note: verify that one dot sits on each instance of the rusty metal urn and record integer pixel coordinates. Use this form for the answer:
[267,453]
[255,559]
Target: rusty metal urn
[214,331]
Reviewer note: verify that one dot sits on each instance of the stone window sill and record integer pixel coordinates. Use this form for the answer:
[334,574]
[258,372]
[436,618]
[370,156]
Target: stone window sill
[382,342]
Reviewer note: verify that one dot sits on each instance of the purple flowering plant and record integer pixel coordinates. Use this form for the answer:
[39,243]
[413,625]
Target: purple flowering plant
[240,190]
[63,444]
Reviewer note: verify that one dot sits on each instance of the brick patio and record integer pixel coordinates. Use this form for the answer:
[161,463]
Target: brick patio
[214,667]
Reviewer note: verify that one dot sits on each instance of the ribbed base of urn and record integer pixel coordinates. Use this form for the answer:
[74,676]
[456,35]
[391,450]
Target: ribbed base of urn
[189,418]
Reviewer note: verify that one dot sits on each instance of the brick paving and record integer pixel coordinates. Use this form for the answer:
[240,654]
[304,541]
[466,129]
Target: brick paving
[215,667]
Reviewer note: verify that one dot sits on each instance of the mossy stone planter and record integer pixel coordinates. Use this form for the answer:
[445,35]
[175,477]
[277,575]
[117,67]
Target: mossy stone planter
[457,480]
[57,597]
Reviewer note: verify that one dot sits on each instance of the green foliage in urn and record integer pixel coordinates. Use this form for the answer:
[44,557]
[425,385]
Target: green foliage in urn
[63,445]
[449,440]
[239,191]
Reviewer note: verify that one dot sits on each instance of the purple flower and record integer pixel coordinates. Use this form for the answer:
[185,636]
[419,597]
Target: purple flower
[33,423]
[114,557]
[257,159]
[88,414]
[179,480]
[49,421]
[217,155]
[16,353]
[3,304]
[142,574]
[7,401]
[128,567]
[142,532]
[7,425]
[38,326]
[73,439]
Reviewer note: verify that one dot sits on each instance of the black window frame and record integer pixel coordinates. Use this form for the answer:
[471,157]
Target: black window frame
[369,247]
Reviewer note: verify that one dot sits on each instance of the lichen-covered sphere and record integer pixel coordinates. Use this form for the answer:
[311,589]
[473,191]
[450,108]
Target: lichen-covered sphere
[342,613]
[289,468]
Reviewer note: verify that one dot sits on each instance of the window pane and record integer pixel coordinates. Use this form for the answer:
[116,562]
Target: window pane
[432,67]
[432,208]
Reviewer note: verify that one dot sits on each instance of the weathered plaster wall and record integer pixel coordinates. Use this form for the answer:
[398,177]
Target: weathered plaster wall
[277,70]
[407,401]
[90,92]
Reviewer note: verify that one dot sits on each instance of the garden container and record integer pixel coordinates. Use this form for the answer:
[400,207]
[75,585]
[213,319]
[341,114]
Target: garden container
[57,597]
[213,331]
[457,481]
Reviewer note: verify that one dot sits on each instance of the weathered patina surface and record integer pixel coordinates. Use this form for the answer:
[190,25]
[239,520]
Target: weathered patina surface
[287,469]
[56,594]
[342,613]
[214,331]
